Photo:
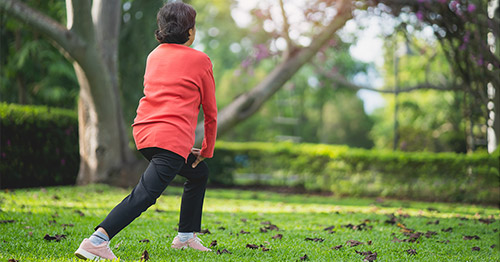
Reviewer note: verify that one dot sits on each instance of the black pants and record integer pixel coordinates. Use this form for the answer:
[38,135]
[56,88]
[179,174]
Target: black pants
[163,166]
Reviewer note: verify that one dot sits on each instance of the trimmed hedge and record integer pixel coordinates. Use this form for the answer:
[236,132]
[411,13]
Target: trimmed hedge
[360,172]
[38,146]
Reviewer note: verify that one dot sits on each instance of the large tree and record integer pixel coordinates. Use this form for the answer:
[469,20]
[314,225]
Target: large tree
[89,40]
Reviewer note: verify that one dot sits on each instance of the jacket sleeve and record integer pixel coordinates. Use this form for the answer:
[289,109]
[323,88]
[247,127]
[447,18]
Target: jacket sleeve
[209,112]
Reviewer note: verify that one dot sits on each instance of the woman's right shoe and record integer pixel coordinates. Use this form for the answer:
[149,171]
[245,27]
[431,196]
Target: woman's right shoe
[87,250]
[194,242]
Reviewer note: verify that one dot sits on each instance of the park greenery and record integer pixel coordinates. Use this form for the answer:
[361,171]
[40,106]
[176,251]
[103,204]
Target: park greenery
[341,170]
[290,118]
[281,76]
[48,224]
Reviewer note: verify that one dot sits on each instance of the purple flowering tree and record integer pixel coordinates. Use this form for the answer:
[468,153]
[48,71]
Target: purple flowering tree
[468,31]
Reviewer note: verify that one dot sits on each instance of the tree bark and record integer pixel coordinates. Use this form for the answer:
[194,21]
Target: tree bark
[247,104]
[90,41]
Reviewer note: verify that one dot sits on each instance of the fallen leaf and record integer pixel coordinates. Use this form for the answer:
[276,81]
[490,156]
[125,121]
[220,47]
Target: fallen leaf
[413,236]
[265,223]
[263,230]
[486,221]
[369,242]
[314,239]
[56,197]
[145,255]
[205,231]
[353,243]
[362,226]
[369,256]
[80,213]
[476,249]
[471,237]
[221,228]
[67,225]
[337,247]
[447,229]
[304,257]
[329,228]
[429,234]
[219,252]
[213,244]
[7,221]
[432,209]
[57,238]
[272,227]
[144,241]
[404,229]
[13,260]
[411,251]
[252,246]
[244,220]
[397,240]
[280,236]
[244,232]
[264,249]
[365,253]
[392,220]
[433,222]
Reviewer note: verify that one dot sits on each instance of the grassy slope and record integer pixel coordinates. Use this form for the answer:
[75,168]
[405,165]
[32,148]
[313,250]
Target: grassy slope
[44,211]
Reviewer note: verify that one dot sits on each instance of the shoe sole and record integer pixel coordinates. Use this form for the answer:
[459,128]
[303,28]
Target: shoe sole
[83,254]
[186,247]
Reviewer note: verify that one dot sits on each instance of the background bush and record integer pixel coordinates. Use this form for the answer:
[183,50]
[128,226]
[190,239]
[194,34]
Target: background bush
[38,146]
[360,172]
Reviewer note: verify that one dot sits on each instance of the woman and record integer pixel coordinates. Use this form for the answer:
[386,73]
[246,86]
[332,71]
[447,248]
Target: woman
[178,80]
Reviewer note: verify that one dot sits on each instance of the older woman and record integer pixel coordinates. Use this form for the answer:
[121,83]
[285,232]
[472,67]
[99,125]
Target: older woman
[178,80]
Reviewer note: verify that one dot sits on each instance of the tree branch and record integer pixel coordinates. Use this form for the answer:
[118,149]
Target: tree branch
[65,39]
[286,29]
[247,104]
[341,80]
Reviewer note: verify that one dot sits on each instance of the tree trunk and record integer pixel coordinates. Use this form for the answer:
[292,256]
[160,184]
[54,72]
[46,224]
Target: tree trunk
[104,154]
[90,41]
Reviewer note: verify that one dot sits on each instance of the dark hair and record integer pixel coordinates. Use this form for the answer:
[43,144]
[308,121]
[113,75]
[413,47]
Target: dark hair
[174,21]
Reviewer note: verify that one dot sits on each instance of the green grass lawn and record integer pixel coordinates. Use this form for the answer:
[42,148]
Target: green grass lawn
[27,215]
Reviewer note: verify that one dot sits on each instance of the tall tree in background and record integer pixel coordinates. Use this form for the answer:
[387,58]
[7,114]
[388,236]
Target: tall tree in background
[90,40]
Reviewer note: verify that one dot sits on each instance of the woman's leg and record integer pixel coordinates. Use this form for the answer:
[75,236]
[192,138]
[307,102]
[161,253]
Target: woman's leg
[161,170]
[193,196]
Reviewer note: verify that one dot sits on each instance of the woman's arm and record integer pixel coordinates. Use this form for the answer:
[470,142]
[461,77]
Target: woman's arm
[210,114]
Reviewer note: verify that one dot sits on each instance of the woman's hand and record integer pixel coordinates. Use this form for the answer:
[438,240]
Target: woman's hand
[196,152]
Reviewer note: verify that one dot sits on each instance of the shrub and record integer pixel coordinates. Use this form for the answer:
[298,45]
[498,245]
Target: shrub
[38,146]
[360,172]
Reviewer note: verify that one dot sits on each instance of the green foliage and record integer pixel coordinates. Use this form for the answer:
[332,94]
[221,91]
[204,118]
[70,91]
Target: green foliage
[429,120]
[66,210]
[39,146]
[33,70]
[359,172]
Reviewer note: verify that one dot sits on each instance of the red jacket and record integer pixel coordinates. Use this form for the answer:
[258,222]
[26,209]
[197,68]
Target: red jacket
[178,80]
